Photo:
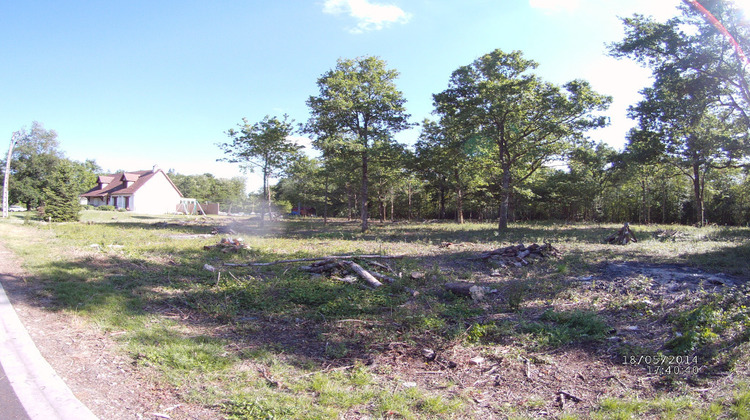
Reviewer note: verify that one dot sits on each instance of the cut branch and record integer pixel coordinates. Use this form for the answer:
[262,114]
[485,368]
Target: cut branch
[364,274]
[330,257]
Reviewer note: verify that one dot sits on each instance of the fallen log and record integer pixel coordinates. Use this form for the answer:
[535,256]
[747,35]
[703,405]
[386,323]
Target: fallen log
[460,288]
[330,257]
[364,274]
[383,277]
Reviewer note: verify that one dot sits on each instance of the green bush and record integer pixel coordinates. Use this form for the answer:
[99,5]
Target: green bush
[106,208]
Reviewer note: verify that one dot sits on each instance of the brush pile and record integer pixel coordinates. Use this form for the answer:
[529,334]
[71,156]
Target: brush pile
[348,271]
[227,245]
[623,236]
[520,255]
[668,234]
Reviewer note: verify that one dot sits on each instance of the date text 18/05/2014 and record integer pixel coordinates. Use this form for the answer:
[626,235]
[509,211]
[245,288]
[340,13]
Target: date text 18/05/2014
[665,365]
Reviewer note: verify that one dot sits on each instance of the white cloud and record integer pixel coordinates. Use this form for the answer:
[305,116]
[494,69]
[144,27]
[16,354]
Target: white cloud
[554,5]
[369,16]
[305,142]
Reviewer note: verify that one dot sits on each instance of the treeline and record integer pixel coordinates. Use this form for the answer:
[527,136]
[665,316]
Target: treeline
[507,145]
[596,185]
[228,192]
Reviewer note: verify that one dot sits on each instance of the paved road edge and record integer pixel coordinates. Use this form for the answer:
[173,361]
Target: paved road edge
[42,392]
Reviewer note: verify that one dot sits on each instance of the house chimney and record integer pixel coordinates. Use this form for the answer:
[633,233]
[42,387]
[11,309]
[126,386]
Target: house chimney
[156,168]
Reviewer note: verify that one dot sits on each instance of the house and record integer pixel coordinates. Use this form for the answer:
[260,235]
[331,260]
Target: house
[148,192]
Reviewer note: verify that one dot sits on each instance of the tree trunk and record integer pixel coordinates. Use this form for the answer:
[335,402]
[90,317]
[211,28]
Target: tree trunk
[664,201]
[459,199]
[363,204]
[441,210]
[504,199]
[698,191]
[408,200]
[265,207]
[350,196]
[325,202]
[393,195]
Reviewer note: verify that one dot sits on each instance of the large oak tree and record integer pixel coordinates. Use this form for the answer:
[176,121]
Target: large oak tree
[529,121]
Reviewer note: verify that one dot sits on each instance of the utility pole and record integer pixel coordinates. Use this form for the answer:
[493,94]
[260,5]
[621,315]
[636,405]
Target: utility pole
[13,141]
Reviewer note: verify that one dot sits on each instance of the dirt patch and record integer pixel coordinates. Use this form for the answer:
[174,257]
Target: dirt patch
[671,277]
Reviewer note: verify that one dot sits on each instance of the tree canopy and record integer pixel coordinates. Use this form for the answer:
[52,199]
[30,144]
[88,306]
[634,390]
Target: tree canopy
[358,104]
[529,121]
[695,115]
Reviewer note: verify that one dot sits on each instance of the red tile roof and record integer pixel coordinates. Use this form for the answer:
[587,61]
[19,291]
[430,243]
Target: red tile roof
[117,184]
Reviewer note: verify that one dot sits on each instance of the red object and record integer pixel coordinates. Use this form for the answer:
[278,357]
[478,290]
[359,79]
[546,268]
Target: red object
[715,22]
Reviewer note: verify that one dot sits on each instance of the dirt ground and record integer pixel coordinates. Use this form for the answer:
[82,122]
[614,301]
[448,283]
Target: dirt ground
[87,360]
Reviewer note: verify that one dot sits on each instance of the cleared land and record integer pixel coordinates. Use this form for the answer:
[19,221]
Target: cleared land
[653,329]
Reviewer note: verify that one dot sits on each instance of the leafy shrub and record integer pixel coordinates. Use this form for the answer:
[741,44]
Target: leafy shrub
[106,208]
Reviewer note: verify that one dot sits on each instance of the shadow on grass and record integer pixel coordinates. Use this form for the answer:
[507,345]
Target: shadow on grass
[732,259]
[277,308]
[437,232]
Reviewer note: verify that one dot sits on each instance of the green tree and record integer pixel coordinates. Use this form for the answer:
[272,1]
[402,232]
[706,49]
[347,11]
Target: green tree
[61,194]
[264,145]
[303,184]
[448,158]
[33,163]
[589,165]
[359,105]
[694,115]
[529,121]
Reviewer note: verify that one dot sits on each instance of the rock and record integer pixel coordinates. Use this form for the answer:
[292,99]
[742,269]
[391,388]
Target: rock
[477,360]
[429,354]
[477,293]
[209,267]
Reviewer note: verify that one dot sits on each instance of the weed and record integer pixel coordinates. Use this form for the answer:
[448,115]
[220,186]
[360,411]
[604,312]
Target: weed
[516,293]
[563,328]
[255,409]
[179,357]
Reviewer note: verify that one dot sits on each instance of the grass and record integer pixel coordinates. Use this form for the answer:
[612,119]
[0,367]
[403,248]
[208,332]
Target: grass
[293,346]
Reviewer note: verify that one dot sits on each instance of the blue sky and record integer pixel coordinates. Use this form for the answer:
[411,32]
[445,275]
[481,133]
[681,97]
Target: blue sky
[137,83]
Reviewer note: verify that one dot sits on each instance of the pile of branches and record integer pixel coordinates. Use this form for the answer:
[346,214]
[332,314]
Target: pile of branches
[227,245]
[337,266]
[668,234]
[520,255]
[623,236]
[348,271]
